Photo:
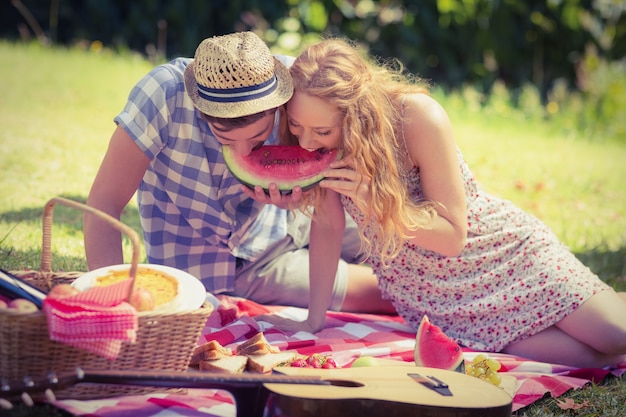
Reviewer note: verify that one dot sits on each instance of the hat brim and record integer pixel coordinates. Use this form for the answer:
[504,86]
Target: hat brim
[277,98]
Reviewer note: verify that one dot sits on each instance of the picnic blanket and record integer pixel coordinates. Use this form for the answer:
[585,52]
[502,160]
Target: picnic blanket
[346,336]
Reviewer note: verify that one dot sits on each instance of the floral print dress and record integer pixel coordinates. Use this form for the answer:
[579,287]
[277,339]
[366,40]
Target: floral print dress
[512,280]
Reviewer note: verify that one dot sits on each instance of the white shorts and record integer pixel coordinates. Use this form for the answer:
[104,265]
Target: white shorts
[281,275]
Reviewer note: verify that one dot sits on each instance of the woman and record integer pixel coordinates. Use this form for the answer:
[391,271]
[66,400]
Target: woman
[490,275]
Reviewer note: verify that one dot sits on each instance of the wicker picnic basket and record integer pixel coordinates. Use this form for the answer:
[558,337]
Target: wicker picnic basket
[165,341]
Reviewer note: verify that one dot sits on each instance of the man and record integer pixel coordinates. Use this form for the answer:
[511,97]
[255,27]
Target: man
[194,214]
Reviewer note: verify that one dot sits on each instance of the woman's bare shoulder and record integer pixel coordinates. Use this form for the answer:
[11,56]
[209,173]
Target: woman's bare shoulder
[425,112]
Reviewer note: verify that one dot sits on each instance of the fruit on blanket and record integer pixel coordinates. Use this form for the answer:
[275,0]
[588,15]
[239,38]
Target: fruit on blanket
[365,361]
[434,349]
[62,290]
[22,305]
[485,368]
[316,360]
[3,304]
[319,361]
[142,299]
[329,363]
[286,166]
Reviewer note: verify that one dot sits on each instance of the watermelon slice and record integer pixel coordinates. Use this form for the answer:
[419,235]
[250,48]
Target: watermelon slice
[286,166]
[434,349]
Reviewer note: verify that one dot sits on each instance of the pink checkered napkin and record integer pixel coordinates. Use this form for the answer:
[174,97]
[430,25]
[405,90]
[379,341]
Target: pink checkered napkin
[98,319]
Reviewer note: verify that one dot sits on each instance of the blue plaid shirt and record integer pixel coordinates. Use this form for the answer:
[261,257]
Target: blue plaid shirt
[193,213]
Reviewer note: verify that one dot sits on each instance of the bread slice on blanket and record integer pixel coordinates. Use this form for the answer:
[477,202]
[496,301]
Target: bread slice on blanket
[227,365]
[264,363]
[256,345]
[209,351]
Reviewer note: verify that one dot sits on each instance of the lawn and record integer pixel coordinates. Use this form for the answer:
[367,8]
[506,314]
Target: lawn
[56,114]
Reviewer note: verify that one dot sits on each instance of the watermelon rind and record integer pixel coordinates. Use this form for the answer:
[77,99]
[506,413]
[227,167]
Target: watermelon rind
[284,165]
[434,349]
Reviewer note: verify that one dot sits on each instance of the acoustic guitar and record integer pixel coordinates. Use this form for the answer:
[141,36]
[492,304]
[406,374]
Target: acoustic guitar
[388,391]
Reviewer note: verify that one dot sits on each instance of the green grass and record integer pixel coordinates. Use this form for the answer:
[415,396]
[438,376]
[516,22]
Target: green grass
[57,117]
[56,114]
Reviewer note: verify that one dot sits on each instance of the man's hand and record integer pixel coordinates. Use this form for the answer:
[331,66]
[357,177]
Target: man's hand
[284,201]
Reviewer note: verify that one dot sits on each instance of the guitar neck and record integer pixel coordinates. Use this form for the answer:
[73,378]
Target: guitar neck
[193,379]
[170,379]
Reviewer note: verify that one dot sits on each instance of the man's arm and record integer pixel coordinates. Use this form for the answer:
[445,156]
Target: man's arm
[118,178]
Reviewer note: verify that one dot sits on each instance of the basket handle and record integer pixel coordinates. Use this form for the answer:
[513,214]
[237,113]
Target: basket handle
[46,252]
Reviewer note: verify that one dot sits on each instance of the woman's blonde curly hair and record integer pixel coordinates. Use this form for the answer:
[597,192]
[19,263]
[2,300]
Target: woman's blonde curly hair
[369,95]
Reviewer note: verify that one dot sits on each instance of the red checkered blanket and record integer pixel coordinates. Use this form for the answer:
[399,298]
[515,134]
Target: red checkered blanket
[345,337]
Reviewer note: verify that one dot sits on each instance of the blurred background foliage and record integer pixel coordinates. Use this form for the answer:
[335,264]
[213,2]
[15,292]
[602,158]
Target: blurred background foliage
[557,60]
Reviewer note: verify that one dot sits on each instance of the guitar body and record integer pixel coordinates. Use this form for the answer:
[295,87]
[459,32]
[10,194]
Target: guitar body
[386,391]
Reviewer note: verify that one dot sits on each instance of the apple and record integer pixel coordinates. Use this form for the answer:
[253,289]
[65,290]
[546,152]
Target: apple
[3,304]
[365,361]
[63,290]
[142,299]
[23,305]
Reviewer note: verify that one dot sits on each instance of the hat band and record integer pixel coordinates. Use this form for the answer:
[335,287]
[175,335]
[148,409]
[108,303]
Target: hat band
[233,95]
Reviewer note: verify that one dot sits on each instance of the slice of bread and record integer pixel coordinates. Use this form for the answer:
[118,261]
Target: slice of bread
[211,355]
[256,345]
[209,351]
[226,365]
[266,362]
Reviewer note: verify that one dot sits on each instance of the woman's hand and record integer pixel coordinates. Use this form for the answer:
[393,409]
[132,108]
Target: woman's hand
[275,197]
[288,325]
[344,179]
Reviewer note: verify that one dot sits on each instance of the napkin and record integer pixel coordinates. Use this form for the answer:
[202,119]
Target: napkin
[98,319]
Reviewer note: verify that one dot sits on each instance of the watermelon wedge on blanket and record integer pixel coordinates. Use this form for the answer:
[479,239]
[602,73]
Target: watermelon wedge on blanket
[286,166]
[434,349]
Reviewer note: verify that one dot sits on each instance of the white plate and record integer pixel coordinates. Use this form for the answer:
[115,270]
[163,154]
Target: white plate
[213,300]
[191,292]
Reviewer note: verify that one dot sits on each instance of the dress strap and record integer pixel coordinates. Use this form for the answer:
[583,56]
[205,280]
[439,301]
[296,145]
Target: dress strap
[406,148]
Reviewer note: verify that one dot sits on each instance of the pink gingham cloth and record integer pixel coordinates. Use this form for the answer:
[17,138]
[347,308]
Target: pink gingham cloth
[98,319]
[345,337]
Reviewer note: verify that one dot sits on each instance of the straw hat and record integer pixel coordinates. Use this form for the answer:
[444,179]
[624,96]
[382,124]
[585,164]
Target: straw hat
[236,75]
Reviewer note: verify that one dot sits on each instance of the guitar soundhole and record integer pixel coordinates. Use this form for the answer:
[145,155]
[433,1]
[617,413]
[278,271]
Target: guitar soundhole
[344,383]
